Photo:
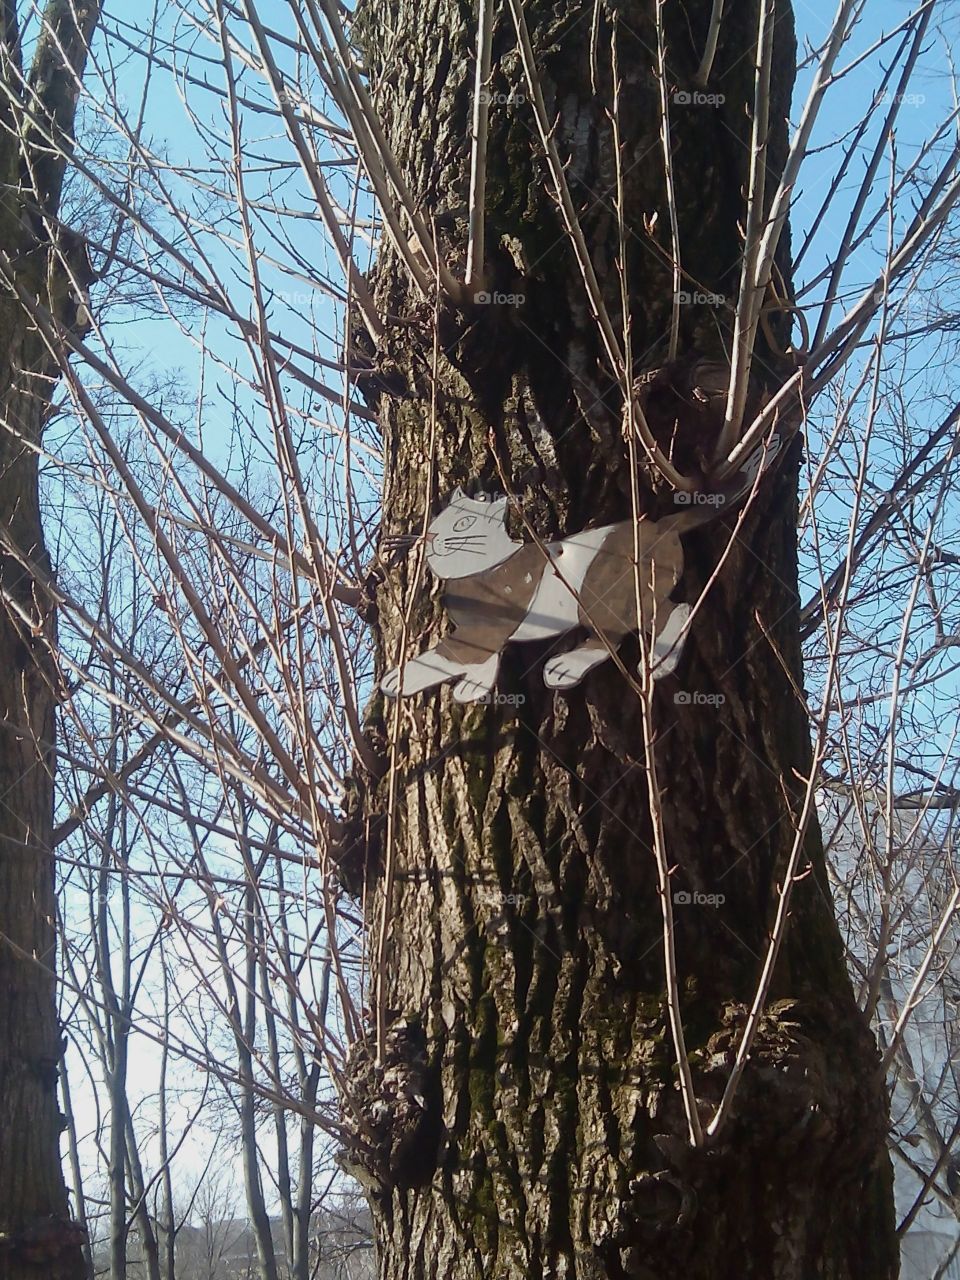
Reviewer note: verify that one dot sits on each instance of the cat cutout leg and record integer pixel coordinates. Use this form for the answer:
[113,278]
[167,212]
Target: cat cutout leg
[429,669]
[564,670]
[478,680]
[668,643]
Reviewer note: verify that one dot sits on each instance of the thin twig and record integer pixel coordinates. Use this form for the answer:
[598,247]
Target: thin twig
[671,194]
[913,997]
[750,296]
[710,48]
[675,1013]
[478,149]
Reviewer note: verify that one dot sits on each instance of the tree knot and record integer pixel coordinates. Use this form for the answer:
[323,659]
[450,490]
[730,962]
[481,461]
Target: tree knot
[391,1111]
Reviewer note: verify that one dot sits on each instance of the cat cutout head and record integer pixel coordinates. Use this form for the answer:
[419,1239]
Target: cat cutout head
[468,536]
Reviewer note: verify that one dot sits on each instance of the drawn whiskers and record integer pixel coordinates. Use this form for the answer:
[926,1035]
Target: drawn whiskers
[464,544]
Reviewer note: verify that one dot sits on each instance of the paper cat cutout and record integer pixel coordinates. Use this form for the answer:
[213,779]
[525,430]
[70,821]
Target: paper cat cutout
[502,592]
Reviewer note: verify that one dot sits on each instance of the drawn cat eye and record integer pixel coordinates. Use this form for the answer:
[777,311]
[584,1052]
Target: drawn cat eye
[464,523]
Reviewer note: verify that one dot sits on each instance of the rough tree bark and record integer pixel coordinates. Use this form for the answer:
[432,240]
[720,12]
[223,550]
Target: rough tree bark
[526,984]
[37,109]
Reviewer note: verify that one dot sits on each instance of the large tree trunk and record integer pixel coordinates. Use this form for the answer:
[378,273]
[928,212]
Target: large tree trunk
[526,982]
[37,1237]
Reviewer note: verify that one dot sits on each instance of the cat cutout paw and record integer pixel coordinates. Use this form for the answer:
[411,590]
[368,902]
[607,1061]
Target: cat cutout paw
[424,672]
[390,684]
[668,644]
[477,683]
[566,670]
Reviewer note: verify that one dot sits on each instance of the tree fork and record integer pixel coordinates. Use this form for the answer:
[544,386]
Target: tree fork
[529,1066]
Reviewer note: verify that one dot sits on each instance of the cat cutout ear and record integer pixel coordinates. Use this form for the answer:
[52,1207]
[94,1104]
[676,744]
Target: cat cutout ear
[456,496]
